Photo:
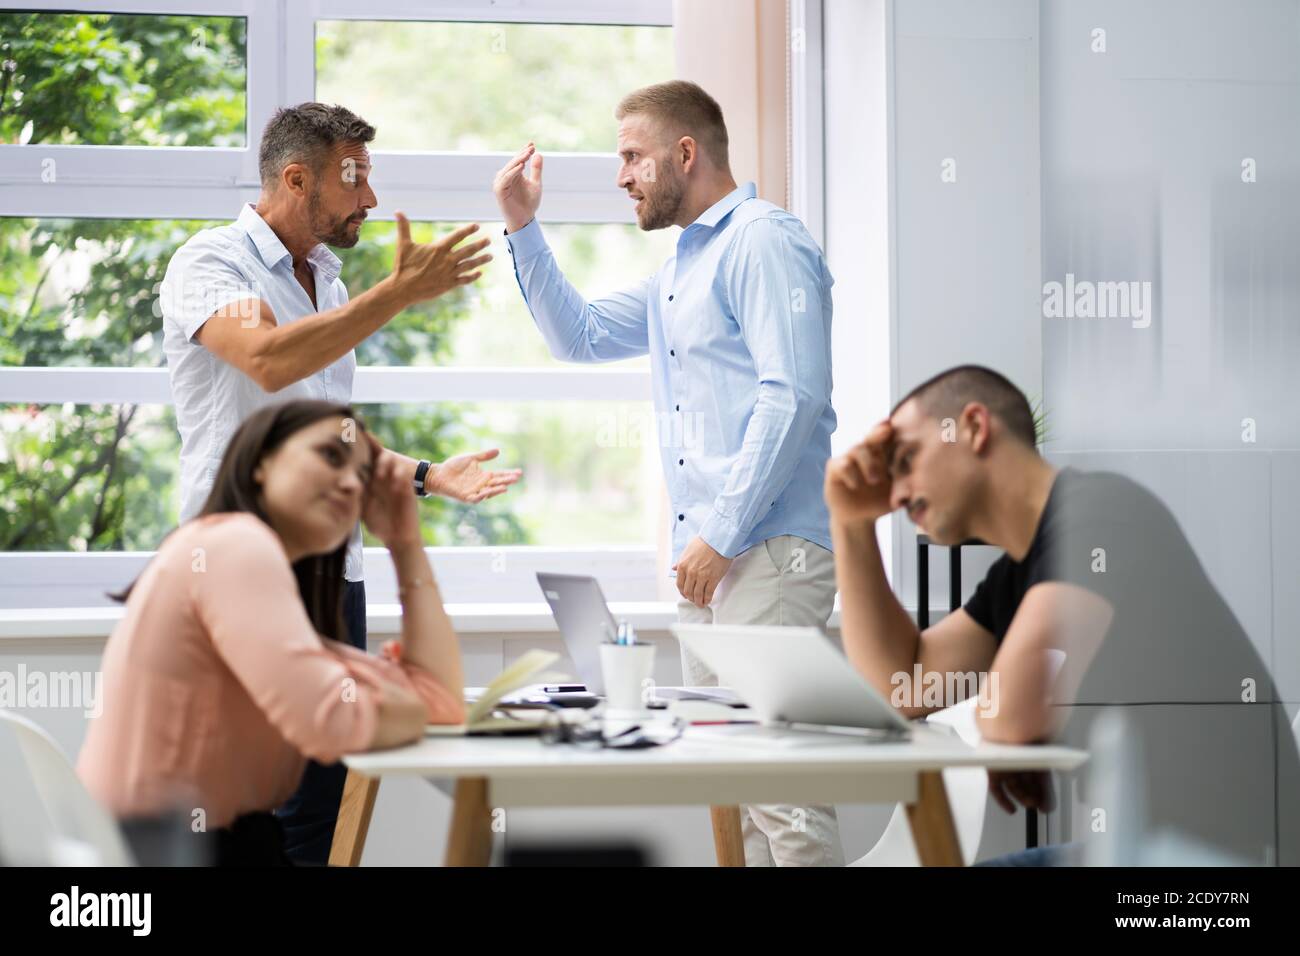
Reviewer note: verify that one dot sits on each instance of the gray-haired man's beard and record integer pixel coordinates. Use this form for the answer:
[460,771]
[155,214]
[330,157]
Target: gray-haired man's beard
[337,233]
[662,206]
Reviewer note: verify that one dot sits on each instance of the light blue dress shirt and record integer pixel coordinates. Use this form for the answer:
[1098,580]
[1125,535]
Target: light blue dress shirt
[738,327]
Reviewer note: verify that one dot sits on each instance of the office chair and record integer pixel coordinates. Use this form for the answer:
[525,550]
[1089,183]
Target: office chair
[81,832]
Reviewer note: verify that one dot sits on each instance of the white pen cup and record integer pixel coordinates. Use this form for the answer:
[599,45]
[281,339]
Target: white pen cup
[627,669]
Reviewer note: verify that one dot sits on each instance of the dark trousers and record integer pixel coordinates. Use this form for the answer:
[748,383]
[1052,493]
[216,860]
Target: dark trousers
[308,816]
[255,839]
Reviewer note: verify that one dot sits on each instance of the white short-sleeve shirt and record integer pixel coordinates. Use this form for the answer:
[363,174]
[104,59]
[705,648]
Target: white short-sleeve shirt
[244,260]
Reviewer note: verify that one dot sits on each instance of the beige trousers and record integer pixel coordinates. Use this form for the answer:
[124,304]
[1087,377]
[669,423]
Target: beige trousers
[783,581]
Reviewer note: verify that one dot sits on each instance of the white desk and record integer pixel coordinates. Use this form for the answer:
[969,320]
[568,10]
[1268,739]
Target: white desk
[522,772]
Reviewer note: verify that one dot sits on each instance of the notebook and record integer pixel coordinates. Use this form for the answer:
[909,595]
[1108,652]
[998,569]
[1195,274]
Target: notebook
[487,714]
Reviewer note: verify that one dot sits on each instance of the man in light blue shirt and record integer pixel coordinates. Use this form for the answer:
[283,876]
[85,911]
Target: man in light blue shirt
[738,328]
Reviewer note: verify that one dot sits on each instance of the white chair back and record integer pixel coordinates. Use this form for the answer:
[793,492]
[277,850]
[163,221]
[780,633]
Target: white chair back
[968,792]
[83,833]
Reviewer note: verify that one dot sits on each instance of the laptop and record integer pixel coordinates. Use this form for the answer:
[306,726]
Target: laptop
[584,620]
[792,678]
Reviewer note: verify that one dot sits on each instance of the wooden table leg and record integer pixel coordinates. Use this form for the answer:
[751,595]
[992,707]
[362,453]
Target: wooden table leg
[469,840]
[728,839]
[359,792]
[931,820]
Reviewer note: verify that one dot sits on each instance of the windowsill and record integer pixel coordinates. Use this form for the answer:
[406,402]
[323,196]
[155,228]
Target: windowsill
[84,623]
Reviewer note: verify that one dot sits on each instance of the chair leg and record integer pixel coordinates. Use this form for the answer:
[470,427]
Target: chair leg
[353,822]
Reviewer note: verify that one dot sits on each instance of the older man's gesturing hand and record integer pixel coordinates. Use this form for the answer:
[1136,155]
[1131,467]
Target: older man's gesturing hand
[461,478]
[424,271]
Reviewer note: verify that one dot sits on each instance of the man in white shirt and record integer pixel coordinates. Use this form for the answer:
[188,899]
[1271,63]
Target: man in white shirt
[255,312]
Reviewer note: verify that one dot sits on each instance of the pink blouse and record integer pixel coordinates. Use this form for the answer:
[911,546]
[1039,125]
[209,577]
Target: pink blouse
[217,687]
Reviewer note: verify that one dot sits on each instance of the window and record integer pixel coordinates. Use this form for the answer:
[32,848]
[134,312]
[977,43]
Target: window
[87,477]
[556,84]
[103,477]
[487,324]
[592,478]
[144,80]
[83,292]
[127,126]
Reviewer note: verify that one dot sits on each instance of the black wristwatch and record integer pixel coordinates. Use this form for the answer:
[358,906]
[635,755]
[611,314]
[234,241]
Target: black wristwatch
[421,470]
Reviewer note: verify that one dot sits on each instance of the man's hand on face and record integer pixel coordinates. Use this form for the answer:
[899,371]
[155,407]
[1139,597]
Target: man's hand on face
[699,570]
[424,271]
[858,483]
[518,196]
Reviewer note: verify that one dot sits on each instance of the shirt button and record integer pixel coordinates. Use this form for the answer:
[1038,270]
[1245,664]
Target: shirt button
[672,351]
[670,298]
[681,461]
[679,408]
[681,517]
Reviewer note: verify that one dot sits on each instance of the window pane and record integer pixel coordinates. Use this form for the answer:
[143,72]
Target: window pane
[84,292]
[87,477]
[591,469]
[488,324]
[122,80]
[479,87]
[104,477]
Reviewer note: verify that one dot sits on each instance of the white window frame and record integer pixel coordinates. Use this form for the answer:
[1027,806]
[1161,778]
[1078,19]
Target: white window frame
[855,143]
[131,182]
[807,125]
[200,182]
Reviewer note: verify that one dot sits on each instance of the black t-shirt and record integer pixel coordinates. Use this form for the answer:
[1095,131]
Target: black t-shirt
[1175,659]
[1173,637]
[997,597]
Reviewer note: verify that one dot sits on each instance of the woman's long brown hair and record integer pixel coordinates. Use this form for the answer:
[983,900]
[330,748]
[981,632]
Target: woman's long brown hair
[320,576]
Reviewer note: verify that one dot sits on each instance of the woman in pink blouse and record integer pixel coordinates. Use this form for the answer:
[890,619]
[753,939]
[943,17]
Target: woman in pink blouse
[227,671]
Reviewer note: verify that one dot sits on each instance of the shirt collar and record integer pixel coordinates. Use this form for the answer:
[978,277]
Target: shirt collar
[719,210]
[272,250]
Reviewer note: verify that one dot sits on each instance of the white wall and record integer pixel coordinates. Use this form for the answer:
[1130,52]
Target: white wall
[963,99]
[1116,166]
[1143,145]
[857,215]
[1139,153]
[1142,153]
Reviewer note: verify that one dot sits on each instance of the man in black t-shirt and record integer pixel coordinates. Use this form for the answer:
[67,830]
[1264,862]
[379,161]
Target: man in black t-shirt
[1098,604]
